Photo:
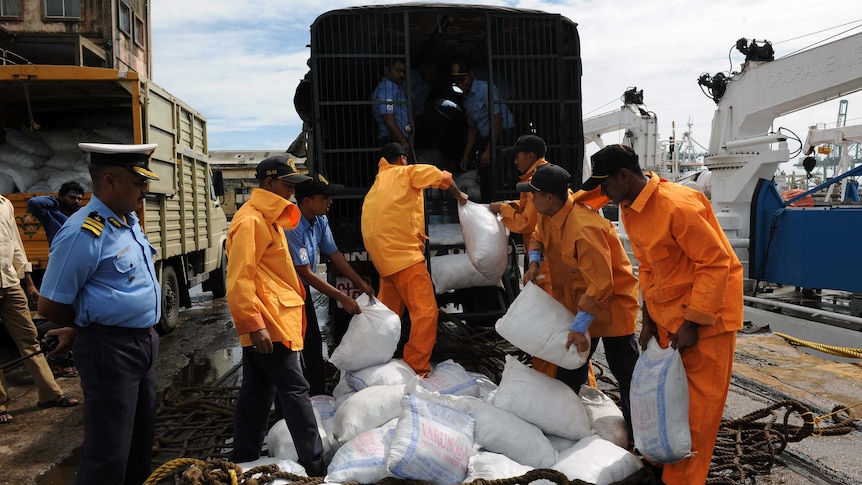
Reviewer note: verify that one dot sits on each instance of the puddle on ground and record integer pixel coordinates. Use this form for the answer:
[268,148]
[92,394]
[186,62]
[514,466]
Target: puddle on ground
[63,473]
[207,370]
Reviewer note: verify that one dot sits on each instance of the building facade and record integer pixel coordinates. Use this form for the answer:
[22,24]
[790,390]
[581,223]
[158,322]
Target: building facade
[95,33]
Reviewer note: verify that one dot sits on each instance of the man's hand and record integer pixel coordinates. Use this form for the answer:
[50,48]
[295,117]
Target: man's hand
[495,206]
[462,198]
[366,288]
[485,159]
[531,273]
[30,290]
[578,339]
[686,337]
[463,164]
[648,330]
[65,337]
[349,304]
[260,341]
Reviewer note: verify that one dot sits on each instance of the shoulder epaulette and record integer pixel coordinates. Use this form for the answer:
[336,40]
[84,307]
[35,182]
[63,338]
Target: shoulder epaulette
[115,222]
[93,224]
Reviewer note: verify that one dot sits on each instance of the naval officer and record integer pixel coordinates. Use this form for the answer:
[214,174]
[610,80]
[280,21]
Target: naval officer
[101,285]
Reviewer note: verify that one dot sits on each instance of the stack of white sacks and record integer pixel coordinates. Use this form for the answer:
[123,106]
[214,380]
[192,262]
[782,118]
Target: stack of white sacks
[453,426]
[42,161]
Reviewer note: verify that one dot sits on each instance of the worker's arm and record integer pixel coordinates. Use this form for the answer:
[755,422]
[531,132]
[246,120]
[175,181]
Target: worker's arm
[60,314]
[322,286]
[395,130]
[472,132]
[343,267]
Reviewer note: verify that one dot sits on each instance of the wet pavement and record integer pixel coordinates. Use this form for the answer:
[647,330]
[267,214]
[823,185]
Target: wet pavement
[40,447]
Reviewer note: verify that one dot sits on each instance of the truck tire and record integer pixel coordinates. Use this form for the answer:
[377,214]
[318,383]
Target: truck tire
[218,278]
[170,301]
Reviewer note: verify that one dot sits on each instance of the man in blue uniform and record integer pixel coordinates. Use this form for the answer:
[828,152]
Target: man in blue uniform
[53,211]
[101,285]
[480,122]
[311,235]
[390,105]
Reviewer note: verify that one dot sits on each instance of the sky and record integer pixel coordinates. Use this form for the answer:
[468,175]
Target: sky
[239,61]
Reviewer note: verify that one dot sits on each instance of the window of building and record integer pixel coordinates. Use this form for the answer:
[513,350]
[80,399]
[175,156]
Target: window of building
[9,8]
[125,19]
[140,33]
[63,8]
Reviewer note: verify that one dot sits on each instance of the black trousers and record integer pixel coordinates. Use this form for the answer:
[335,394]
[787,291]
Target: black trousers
[621,353]
[118,377]
[313,365]
[263,377]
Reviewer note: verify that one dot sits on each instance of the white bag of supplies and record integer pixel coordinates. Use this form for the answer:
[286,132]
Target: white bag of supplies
[393,372]
[659,402]
[455,271]
[485,238]
[362,459]
[606,418]
[371,338]
[597,461]
[539,325]
[367,409]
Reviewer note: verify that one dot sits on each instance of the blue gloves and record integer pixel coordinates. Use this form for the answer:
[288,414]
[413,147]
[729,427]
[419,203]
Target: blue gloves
[582,322]
[536,256]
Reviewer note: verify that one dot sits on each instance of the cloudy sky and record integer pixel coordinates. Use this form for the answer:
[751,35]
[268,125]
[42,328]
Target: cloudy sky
[239,61]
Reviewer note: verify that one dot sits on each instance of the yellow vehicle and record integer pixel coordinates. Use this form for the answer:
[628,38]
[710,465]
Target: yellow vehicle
[60,106]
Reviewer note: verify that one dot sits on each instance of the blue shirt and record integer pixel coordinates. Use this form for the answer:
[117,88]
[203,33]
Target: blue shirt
[307,238]
[108,278]
[476,105]
[389,100]
[46,209]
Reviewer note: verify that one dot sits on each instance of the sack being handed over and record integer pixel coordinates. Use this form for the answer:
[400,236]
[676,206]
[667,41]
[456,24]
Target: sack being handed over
[539,325]
[485,238]
[659,402]
[371,338]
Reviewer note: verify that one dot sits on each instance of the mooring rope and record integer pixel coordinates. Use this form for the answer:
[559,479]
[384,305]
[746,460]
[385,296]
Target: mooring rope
[828,349]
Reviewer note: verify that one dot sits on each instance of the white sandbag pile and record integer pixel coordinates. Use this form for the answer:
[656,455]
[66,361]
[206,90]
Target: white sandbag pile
[659,404]
[44,160]
[539,325]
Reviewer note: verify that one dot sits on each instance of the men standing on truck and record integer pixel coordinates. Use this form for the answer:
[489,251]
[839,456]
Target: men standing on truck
[393,230]
[16,290]
[390,105]
[101,286]
[477,100]
[692,289]
[312,235]
[53,211]
[265,297]
[590,274]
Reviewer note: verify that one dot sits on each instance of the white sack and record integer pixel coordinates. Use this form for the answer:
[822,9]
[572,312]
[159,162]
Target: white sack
[487,387]
[544,401]
[62,140]
[283,465]
[606,419]
[432,442]
[23,177]
[371,338]
[280,444]
[57,179]
[26,142]
[39,188]
[659,402]
[7,183]
[324,410]
[393,372]
[559,443]
[597,461]
[450,377]
[367,409]
[116,133]
[539,325]
[455,271]
[497,430]
[17,157]
[485,238]
[362,459]
[67,161]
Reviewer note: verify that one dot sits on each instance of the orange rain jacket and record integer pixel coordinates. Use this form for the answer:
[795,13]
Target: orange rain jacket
[688,270]
[590,270]
[263,289]
[393,214]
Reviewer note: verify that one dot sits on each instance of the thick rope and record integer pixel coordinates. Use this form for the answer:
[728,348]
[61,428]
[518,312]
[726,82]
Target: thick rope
[828,349]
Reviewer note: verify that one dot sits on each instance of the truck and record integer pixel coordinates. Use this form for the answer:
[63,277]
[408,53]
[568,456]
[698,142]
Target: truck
[58,106]
[531,57]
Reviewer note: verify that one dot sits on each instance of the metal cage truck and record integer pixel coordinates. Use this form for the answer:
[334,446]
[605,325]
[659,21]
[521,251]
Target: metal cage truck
[531,58]
[46,110]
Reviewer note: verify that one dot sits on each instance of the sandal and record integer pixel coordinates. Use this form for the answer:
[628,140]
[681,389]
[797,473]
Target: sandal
[67,372]
[63,402]
[5,418]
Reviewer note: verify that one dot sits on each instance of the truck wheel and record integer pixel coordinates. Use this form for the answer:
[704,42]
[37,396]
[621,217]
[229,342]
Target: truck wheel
[170,301]
[218,278]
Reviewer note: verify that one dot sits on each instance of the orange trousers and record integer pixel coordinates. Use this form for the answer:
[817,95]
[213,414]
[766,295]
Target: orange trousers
[707,366]
[412,287]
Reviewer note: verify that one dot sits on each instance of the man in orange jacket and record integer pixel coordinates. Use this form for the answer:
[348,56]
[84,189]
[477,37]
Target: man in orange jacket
[265,297]
[393,229]
[691,282]
[590,275]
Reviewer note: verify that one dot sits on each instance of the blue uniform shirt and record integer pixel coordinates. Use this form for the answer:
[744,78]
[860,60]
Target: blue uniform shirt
[476,106]
[307,238]
[46,209]
[389,100]
[108,278]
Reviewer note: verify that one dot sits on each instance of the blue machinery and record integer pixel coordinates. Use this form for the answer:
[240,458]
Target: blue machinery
[810,247]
